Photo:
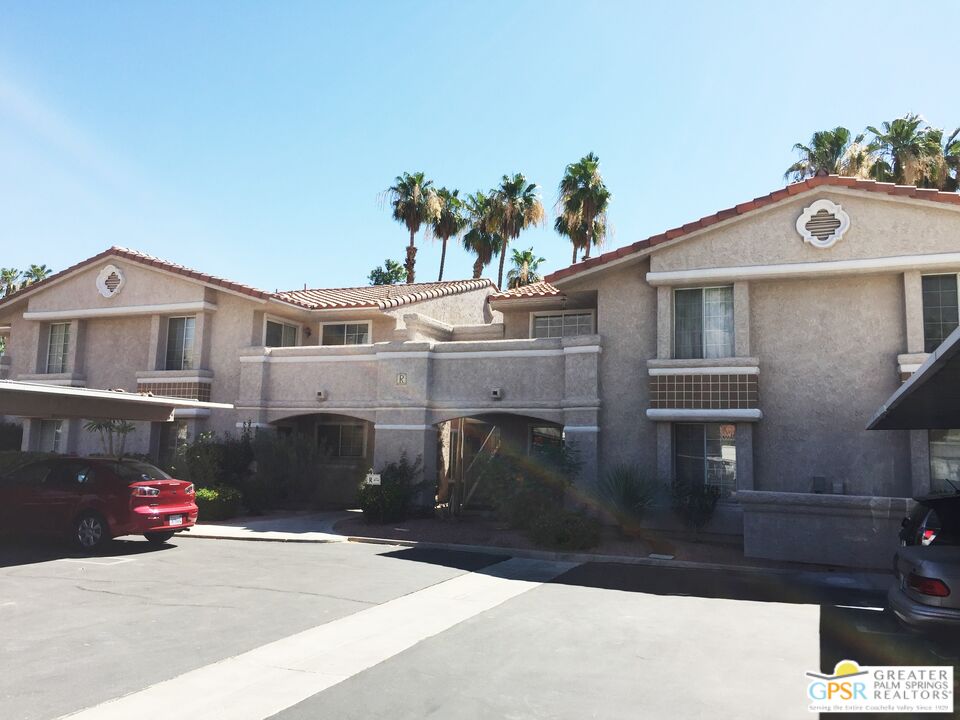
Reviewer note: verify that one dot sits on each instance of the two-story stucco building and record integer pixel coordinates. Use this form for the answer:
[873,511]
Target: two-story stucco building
[747,350]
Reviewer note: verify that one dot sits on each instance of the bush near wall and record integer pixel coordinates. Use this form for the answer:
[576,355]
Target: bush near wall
[218,503]
[389,502]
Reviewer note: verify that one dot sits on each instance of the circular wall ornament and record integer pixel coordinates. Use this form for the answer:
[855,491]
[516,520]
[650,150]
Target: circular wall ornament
[823,223]
[110,281]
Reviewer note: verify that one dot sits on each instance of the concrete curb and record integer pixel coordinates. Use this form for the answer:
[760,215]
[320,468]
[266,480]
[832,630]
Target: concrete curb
[247,538]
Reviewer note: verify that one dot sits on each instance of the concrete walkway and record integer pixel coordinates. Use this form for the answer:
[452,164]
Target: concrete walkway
[293,527]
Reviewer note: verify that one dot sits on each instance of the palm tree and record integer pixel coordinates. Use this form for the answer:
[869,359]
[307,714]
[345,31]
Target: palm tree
[8,280]
[449,222]
[906,153]
[481,239]
[524,270]
[582,205]
[515,206]
[36,273]
[951,158]
[832,152]
[414,203]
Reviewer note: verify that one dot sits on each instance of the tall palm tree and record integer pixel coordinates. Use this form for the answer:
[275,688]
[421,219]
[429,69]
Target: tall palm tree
[414,203]
[35,273]
[582,205]
[449,222]
[906,153]
[515,206]
[524,270]
[835,152]
[951,158]
[8,280]
[481,239]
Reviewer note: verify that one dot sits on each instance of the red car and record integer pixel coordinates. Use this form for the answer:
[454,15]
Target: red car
[92,500]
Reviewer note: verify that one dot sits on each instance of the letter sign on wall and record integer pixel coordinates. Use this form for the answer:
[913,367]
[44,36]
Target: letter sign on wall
[401,378]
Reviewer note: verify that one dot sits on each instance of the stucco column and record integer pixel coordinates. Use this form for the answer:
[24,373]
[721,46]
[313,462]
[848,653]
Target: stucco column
[155,348]
[664,453]
[744,444]
[741,319]
[664,322]
[75,350]
[201,340]
[31,434]
[415,439]
[586,440]
[920,462]
[913,310]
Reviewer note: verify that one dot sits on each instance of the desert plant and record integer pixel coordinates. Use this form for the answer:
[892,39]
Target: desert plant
[564,530]
[627,493]
[218,503]
[694,503]
[390,500]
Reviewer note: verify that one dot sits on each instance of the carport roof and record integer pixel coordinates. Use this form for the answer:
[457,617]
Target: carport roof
[37,400]
[930,398]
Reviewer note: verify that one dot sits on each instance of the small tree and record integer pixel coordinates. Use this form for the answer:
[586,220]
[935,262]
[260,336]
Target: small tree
[109,430]
[390,273]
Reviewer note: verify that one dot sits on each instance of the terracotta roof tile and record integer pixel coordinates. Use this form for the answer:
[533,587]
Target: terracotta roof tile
[533,290]
[807,185]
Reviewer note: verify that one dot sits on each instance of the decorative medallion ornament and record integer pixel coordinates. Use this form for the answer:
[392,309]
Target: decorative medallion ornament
[110,281]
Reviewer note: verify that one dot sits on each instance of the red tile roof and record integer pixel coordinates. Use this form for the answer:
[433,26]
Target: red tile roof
[534,290]
[951,198]
[384,296]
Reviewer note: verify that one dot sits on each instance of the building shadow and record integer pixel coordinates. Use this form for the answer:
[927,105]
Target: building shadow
[17,550]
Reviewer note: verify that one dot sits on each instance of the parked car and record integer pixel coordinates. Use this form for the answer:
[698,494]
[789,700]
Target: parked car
[926,593]
[92,500]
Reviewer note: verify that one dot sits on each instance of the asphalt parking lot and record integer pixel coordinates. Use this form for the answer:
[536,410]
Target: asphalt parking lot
[237,629]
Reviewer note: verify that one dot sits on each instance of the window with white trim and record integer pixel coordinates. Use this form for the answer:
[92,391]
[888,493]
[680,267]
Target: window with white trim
[279,334]
[58,345]
[51,432]
[180,335]
[173,437]
[940,309]
[703,323]
[706,454]
[562,324]
[346,333]
[342,440]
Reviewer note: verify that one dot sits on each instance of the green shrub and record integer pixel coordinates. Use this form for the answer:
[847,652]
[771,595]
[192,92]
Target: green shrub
[389,501]
[218,503]
[564,530]
[694,504]
[627,493]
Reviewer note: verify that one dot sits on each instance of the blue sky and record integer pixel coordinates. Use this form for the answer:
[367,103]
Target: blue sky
[252,139]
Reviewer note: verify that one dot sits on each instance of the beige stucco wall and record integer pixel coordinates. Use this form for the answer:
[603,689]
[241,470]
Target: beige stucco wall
[827,350]
[880,226]
[468,308]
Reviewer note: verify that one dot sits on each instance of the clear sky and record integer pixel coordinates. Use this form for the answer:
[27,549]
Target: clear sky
[252,139]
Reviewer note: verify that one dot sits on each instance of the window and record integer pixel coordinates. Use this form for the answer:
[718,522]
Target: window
[58,343]
[566,324]
[342,439]
[280,334]
[703,323]
[138,471]
[173,436]
[545,440]
[706,454]
[346,333]
[180,343]
[939,309]
[51,432]
[944,460]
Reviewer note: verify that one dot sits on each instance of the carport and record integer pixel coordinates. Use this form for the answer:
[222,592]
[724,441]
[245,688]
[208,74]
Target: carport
[930,398]
[37,400]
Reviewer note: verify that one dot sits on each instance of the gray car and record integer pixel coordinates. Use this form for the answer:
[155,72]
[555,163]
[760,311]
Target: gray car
[926,594]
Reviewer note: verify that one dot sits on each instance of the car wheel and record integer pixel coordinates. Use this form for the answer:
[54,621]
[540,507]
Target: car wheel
[90,532]
[158,538]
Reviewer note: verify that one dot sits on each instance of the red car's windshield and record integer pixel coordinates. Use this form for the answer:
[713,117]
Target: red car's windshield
[138,471]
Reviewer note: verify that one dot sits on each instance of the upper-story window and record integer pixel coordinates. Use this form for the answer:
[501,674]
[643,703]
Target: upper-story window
[180,333]
[939,309]
[562,324]
[58,345]
[346,333]
[703,323]
[279,334]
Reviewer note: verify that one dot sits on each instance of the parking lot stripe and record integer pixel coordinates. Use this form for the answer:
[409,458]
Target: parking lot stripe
[273,677]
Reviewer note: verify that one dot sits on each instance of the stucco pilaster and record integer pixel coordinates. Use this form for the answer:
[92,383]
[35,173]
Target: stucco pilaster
[664,322]
[155,348]
[913,310]
[201,340]
[920,462]
[744,444]
[741,319]
[664,453]
[414,439]
[75,349]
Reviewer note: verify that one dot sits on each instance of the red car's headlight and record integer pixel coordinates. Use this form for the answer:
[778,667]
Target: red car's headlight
[144,491]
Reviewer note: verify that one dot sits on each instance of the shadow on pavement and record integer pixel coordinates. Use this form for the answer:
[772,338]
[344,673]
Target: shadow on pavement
[28,551]
[458,559]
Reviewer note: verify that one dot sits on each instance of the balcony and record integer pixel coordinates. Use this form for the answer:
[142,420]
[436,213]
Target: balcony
[704,389]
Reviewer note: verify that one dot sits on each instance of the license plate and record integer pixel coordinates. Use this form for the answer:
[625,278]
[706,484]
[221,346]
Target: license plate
[175,520]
